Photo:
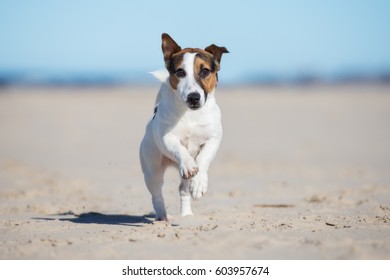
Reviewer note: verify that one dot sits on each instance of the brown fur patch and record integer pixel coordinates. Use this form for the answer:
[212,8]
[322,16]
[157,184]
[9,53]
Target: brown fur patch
[169,47]
[172,66]
[174,81]
[209,82]
[216,51]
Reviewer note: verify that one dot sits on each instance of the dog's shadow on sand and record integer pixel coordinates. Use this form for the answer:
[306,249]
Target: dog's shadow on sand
[103,219]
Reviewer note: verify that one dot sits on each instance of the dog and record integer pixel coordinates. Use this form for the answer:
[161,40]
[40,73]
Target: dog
[185,130]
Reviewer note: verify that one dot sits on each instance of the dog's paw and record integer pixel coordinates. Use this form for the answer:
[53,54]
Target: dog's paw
[188,169]
[199,185]
[187,213]
[163,218]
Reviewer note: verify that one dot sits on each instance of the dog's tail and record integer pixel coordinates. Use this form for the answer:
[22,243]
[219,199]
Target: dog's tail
[161,75]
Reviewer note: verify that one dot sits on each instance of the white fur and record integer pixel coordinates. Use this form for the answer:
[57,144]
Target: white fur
[180,136]
[161,75]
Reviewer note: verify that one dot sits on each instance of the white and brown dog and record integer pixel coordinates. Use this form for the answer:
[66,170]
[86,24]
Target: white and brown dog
[185,130]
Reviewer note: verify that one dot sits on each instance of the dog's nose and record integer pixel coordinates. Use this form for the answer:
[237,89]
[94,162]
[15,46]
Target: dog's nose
[193,99]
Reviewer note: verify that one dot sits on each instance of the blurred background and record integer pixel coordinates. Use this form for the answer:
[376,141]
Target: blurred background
[303,168]
[118,41]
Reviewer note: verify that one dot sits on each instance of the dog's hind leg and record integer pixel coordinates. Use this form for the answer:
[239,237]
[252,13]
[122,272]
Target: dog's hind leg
[154,183]
[185,198]
[153,169]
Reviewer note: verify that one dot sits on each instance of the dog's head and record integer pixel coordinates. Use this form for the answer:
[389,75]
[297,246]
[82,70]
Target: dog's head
[193,72]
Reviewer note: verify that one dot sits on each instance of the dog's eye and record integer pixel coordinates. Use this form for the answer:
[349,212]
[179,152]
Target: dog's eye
[205,72]
[180,73]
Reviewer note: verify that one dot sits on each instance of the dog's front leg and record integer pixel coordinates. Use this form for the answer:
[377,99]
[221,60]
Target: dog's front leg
[173,149]
[199,183]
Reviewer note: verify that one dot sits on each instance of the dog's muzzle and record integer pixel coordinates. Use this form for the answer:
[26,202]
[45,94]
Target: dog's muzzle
[193,100]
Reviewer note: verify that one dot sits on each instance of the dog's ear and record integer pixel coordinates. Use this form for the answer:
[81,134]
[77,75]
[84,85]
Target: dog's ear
[216,51]
[169,47]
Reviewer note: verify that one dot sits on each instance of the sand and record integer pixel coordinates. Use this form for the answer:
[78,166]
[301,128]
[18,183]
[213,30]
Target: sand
[302,173]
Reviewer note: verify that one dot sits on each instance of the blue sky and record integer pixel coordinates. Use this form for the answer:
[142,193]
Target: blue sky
[263,37]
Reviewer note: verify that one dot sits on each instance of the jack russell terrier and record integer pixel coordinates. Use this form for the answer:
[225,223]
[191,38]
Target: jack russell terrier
[186,129]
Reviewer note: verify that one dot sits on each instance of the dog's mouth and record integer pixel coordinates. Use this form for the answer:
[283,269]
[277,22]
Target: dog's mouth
[193,106]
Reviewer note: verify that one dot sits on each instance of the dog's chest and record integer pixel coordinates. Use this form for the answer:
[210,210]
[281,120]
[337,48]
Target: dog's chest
[193,135]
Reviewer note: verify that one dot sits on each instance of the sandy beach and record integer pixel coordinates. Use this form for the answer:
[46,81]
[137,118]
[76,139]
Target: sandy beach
[302,173]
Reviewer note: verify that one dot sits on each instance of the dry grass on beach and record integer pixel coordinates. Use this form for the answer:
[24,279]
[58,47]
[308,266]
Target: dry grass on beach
[302,173]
